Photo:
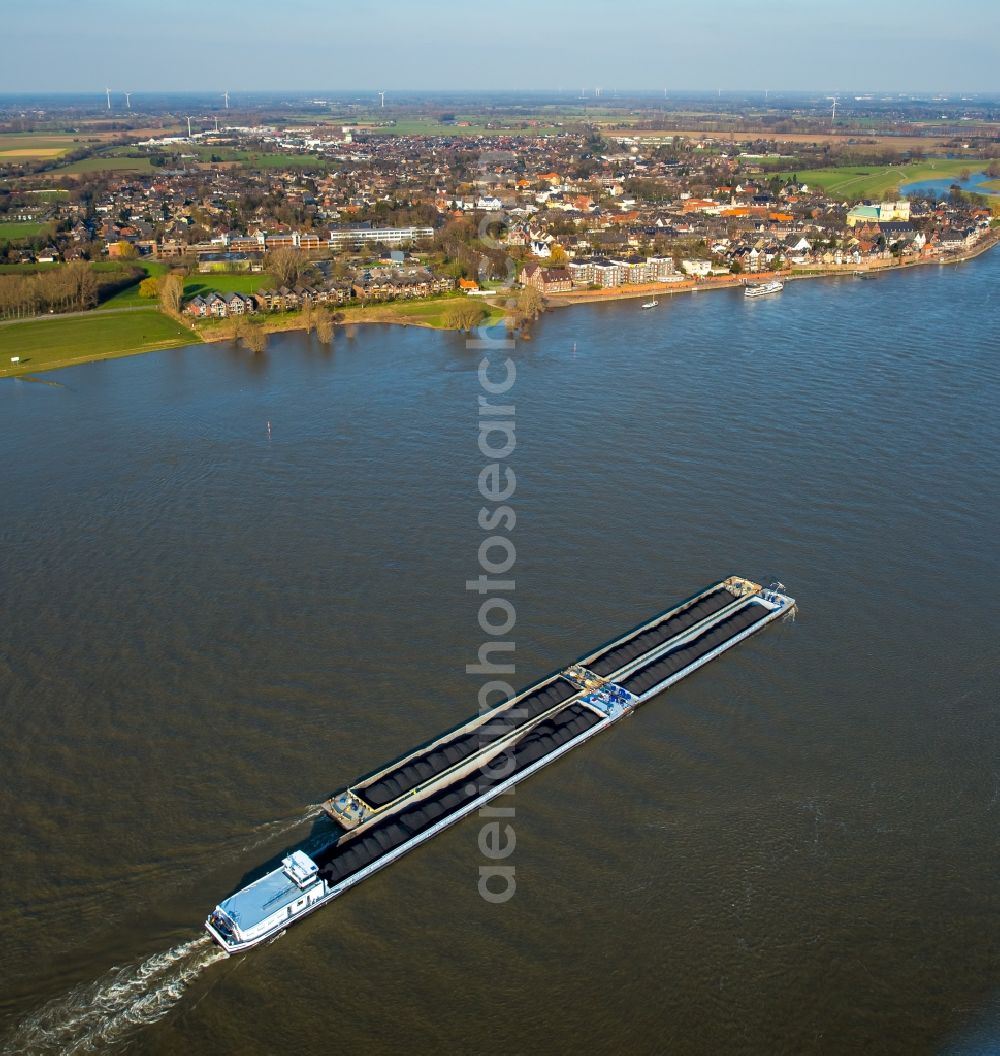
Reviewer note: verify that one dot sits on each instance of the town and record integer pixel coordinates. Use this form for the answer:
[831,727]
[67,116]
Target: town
[255,219]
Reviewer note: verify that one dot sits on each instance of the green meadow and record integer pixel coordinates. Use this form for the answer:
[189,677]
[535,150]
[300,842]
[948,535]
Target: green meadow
[857,182]
[225,282]
[64,341]
[18,229]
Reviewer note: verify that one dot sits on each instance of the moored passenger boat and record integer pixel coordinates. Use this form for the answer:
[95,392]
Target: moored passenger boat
[762,289]
[394,809]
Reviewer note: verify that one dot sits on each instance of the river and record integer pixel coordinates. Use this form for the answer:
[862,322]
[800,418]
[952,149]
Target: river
[233,583]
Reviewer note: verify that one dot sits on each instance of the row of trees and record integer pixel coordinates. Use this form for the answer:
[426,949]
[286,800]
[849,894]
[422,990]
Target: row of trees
[73,288]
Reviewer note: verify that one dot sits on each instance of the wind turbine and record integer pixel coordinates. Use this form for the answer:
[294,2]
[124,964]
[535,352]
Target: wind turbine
[189,128]
[225,95]
[128,100]
[833,112]
[108,90]
[381,96]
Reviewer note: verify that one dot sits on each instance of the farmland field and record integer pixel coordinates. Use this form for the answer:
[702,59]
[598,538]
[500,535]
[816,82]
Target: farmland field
[108,163]
[61,341]
[21,146]
[417,126]
[857,140]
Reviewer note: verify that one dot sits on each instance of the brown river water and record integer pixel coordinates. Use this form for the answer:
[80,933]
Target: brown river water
[231,584]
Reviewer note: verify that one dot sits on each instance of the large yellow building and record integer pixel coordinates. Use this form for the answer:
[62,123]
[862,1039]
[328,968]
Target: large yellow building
[877,213]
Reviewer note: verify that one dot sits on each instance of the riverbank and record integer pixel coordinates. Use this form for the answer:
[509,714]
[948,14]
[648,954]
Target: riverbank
[52,342]
[429,313]
[725,282]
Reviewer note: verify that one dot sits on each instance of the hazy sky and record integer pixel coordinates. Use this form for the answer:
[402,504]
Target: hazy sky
[315,44]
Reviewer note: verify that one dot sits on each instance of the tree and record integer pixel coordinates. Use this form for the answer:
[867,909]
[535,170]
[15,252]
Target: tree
[558,257]
[171,293]
[149,288]
[83,284]
[286,265]
[255,337]
[530,304]
[125,250]
[307,316]
[341,268]
[324,328]
[464,315]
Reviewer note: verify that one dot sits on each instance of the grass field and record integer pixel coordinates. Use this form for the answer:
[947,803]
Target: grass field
[129,297]
[45,344]
[22,229]
[429,312]
[225,283]
[854,183]
[107,163]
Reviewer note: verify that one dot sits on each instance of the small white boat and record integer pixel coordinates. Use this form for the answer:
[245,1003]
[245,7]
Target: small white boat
[650,304]
[762,289]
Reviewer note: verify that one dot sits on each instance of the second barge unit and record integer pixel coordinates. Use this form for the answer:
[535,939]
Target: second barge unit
[391,811]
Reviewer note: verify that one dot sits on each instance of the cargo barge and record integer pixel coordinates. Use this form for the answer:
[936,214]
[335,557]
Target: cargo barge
[388,812]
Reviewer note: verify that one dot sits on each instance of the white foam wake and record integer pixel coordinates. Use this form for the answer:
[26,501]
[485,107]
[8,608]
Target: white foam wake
[103,1014]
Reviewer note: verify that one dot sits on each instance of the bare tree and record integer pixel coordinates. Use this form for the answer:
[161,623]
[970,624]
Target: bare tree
[530,303]
[286,265]
[255,337]
[324,328]
[171,293]
[464,315]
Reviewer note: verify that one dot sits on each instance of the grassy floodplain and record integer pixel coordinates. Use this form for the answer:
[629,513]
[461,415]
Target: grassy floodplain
[853,183]
[62,341]
[431,313]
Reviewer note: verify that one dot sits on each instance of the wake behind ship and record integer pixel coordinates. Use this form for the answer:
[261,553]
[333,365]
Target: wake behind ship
[394,809]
